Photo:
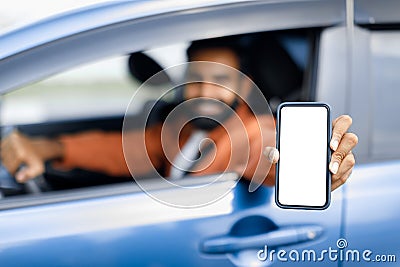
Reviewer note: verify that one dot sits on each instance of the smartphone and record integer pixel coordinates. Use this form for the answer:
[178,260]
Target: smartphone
[303,180]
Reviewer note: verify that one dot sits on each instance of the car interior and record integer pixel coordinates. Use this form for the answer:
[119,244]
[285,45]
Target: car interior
[281,63]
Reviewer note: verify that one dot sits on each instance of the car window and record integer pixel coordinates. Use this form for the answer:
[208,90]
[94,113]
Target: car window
[104,88]
[385,82]
[95,96]
[97,90]
[94,90]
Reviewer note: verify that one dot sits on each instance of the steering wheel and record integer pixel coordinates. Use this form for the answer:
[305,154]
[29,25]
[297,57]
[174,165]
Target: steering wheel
[8,183]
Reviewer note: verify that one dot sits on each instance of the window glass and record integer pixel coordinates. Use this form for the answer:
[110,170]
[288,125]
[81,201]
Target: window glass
[95,96]
[95,90]
[100,89]
[385,67]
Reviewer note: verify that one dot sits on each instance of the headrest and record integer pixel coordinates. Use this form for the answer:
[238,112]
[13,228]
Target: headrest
[273,69]
[142,67]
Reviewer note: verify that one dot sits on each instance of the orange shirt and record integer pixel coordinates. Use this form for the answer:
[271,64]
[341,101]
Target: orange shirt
[237,146]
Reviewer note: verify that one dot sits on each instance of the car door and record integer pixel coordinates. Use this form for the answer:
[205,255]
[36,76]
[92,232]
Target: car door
[374,102]
[120,224]
[371,209]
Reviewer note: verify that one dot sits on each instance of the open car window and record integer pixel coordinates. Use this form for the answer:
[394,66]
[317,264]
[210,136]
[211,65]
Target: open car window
[95,96]
[95,90]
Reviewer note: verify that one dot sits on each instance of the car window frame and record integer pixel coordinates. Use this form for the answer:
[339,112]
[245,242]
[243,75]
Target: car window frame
[117,41]
[133,35]
[370,12]
[109,190]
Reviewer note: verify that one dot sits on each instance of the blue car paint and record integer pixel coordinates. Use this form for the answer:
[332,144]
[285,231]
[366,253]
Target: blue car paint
[115,231]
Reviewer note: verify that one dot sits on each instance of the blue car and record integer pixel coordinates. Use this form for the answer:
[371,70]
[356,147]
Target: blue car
[78,71]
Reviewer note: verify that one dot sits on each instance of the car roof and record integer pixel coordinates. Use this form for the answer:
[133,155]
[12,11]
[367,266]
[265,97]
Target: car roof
[95,16]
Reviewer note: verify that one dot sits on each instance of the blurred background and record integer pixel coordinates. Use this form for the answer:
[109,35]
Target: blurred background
[70,94]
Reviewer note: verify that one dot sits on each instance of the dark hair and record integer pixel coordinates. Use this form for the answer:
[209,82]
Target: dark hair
[230,42]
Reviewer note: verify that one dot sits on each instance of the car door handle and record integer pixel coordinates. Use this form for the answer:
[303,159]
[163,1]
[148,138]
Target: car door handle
[281,237]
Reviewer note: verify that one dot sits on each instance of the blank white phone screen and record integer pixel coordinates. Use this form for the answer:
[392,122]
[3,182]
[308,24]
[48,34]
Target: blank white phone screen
[303,156]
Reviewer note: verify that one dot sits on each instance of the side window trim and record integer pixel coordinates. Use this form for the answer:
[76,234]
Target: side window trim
[134,35]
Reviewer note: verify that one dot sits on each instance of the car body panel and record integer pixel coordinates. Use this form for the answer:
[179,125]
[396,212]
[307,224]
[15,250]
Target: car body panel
[369,12]
[122,233]
[372,210]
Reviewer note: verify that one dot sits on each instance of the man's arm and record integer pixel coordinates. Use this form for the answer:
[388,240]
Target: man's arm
[95,150]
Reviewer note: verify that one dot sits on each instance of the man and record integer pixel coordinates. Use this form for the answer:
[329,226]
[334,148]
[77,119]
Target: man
[238,140]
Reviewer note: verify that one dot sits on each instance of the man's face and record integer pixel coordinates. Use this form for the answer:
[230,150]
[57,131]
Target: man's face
[214,86]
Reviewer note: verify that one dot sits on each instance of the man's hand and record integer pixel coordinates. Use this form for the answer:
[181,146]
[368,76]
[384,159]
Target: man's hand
[18,150]
[342,143]
[342,159]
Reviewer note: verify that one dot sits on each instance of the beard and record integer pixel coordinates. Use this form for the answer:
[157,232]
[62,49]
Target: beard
[204,120]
